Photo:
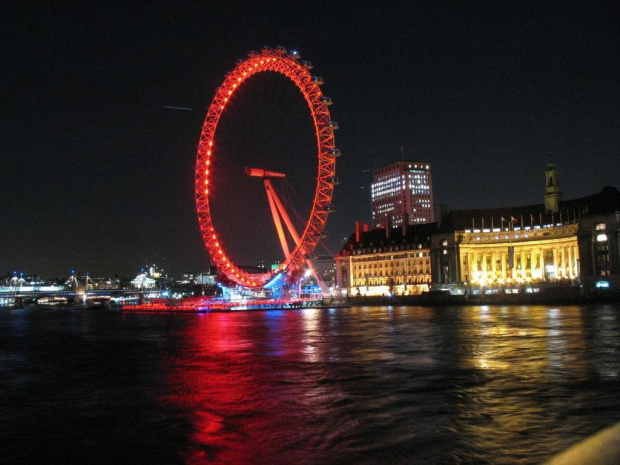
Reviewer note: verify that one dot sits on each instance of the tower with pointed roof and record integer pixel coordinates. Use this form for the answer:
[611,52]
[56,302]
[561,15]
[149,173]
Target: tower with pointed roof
[553,192]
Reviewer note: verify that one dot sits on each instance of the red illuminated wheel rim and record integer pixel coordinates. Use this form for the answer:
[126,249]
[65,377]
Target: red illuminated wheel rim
[288,64]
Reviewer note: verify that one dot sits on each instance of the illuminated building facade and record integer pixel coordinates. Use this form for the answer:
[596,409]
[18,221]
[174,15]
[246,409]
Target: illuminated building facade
[382,262]
[142,281]
[505,259]
[511,250]
[522,249]
[402,193]
[599,243]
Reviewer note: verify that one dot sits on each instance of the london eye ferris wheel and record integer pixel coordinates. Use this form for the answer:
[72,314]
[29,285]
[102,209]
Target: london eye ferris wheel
[227,118]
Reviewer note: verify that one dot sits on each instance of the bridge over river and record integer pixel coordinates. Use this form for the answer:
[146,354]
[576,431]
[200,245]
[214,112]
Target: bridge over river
[20,296]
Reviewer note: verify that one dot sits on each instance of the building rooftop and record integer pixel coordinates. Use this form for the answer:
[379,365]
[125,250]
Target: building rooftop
[378,237]
[606,201]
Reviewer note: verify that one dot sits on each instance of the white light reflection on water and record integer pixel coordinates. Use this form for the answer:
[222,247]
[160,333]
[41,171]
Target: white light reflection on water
[309,336]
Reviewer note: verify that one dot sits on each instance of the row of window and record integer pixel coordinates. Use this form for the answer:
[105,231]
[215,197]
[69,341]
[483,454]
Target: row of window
[400,165]
[391,248]
[392,264]
[386,280]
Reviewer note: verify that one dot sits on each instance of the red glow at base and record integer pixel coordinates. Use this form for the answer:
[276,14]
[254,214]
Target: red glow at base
[203,305]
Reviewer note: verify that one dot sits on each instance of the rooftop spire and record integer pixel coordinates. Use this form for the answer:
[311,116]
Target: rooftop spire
[553,192]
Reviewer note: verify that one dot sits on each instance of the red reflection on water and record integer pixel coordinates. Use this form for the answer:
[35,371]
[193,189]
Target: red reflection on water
[227,382]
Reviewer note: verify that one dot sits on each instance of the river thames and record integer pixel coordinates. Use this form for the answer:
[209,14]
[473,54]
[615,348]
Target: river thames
[359,385]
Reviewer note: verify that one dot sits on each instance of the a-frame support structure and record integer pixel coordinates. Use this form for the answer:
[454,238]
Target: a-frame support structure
[279,214]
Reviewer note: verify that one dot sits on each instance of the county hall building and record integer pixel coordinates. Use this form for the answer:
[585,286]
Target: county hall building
[504,250]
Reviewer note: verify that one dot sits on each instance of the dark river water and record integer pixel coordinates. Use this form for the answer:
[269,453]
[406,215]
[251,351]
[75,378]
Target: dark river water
[363,385]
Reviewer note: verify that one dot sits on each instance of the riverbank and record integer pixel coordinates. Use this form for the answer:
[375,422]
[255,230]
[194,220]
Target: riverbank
[560,295]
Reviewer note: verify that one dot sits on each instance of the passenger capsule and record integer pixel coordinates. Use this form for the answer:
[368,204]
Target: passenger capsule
[329,208]
[333,124]
[327,100]
[266,48]
[335,152]
[317,80]
[294,54]
[320,235]
[252,53]
[280,50]
[333,180]
[307,64]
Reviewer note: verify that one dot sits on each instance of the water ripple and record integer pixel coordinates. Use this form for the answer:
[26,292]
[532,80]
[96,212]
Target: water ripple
[366,385]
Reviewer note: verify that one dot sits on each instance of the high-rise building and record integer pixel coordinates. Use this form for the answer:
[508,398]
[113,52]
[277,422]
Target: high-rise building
[402,193]
[325,266]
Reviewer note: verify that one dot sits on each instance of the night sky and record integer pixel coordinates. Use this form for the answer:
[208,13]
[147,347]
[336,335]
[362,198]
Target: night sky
[97,175]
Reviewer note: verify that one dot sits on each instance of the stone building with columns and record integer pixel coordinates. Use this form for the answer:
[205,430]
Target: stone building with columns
[524,249]
[509,250]
[504,260]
